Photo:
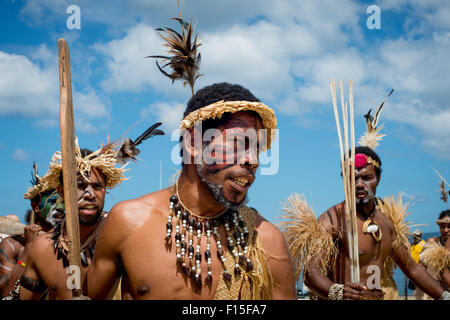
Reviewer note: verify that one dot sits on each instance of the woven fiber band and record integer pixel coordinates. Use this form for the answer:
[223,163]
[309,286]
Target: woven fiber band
[217,109]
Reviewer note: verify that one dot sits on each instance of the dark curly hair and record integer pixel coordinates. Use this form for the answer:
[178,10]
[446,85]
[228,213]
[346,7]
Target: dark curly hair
[216,92]
[445,213]
[370,153]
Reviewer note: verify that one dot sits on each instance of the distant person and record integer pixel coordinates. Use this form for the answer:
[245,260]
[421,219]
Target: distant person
[416,249]
[435,256]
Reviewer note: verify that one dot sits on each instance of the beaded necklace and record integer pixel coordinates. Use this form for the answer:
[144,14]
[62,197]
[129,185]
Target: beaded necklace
[190,228]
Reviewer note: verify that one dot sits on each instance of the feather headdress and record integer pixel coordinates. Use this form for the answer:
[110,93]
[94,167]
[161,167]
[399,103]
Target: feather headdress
[185,60]
[372,135]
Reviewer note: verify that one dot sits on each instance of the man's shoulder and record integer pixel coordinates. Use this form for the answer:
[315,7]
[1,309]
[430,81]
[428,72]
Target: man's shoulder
[41,245]
[333,211]
[139,209]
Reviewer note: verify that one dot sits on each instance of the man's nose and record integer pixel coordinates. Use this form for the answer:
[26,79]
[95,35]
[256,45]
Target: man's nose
[359,182]
[88,192]
[250,160]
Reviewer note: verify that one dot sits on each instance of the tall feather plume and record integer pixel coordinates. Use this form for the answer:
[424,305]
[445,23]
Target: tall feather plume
[442,189]
[185,60]
[372,134]
[128,150]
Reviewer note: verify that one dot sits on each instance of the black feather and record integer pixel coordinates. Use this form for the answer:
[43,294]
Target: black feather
[150,132]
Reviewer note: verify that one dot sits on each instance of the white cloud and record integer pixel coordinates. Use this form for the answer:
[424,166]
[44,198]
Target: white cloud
[127,66]
[412,199]
[30,87]
[170,114]
[286,52]
[20,155]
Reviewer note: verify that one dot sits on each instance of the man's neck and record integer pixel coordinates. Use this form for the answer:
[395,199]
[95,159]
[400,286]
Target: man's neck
[195,195]
[366,209]
[86,231]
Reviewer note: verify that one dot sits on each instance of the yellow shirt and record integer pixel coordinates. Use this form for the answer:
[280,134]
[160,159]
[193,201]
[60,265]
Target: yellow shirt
[416,249]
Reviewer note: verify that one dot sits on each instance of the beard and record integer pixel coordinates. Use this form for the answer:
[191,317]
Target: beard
[90,220]
[217,192]
[366,199]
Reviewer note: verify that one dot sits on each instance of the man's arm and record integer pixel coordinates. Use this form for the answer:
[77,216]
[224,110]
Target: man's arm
[279,260]
[103,273]
[319,283]
[31,285]
[417,273]
[8,256]
[12,256]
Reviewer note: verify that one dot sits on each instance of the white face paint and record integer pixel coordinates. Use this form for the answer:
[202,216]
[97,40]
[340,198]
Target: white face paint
[366,182]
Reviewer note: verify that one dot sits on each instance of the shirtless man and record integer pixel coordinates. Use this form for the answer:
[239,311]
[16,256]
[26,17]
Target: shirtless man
[435,255]
[47,211]
[138,243]
[46,258]
[375,245]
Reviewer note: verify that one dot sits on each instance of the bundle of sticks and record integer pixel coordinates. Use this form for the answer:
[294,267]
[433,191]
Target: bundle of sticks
[348,171]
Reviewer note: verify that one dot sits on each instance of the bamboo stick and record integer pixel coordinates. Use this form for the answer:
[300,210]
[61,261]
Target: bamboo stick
[353,186]
[348,173]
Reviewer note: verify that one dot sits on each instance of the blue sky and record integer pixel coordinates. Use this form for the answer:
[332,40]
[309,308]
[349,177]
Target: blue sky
[285,52]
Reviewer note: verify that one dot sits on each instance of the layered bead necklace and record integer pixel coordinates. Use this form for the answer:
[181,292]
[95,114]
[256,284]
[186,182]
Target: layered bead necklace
[189,230]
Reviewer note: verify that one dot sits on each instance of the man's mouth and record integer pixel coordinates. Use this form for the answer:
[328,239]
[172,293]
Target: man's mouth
[241,183]
[361,194]
[88,209]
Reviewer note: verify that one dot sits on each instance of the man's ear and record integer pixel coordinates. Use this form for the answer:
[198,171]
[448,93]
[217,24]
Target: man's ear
[60,190]
[35,206]
[192,144]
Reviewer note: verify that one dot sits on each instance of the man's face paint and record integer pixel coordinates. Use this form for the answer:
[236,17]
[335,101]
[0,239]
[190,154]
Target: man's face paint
[366,183]
[51,207]
[91,197]
[231,159]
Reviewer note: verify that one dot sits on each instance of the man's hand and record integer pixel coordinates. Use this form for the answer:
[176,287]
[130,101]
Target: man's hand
[31,232]
[354,291]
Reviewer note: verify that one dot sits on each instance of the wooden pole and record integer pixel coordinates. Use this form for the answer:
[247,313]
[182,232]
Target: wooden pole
[68,158]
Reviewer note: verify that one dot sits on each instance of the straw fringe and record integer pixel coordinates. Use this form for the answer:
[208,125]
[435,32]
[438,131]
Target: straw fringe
[306,238]
[436,258]
[395,210]
[103,159]
[258,284]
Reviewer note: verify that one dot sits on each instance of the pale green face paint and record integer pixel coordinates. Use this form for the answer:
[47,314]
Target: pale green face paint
[51,207]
